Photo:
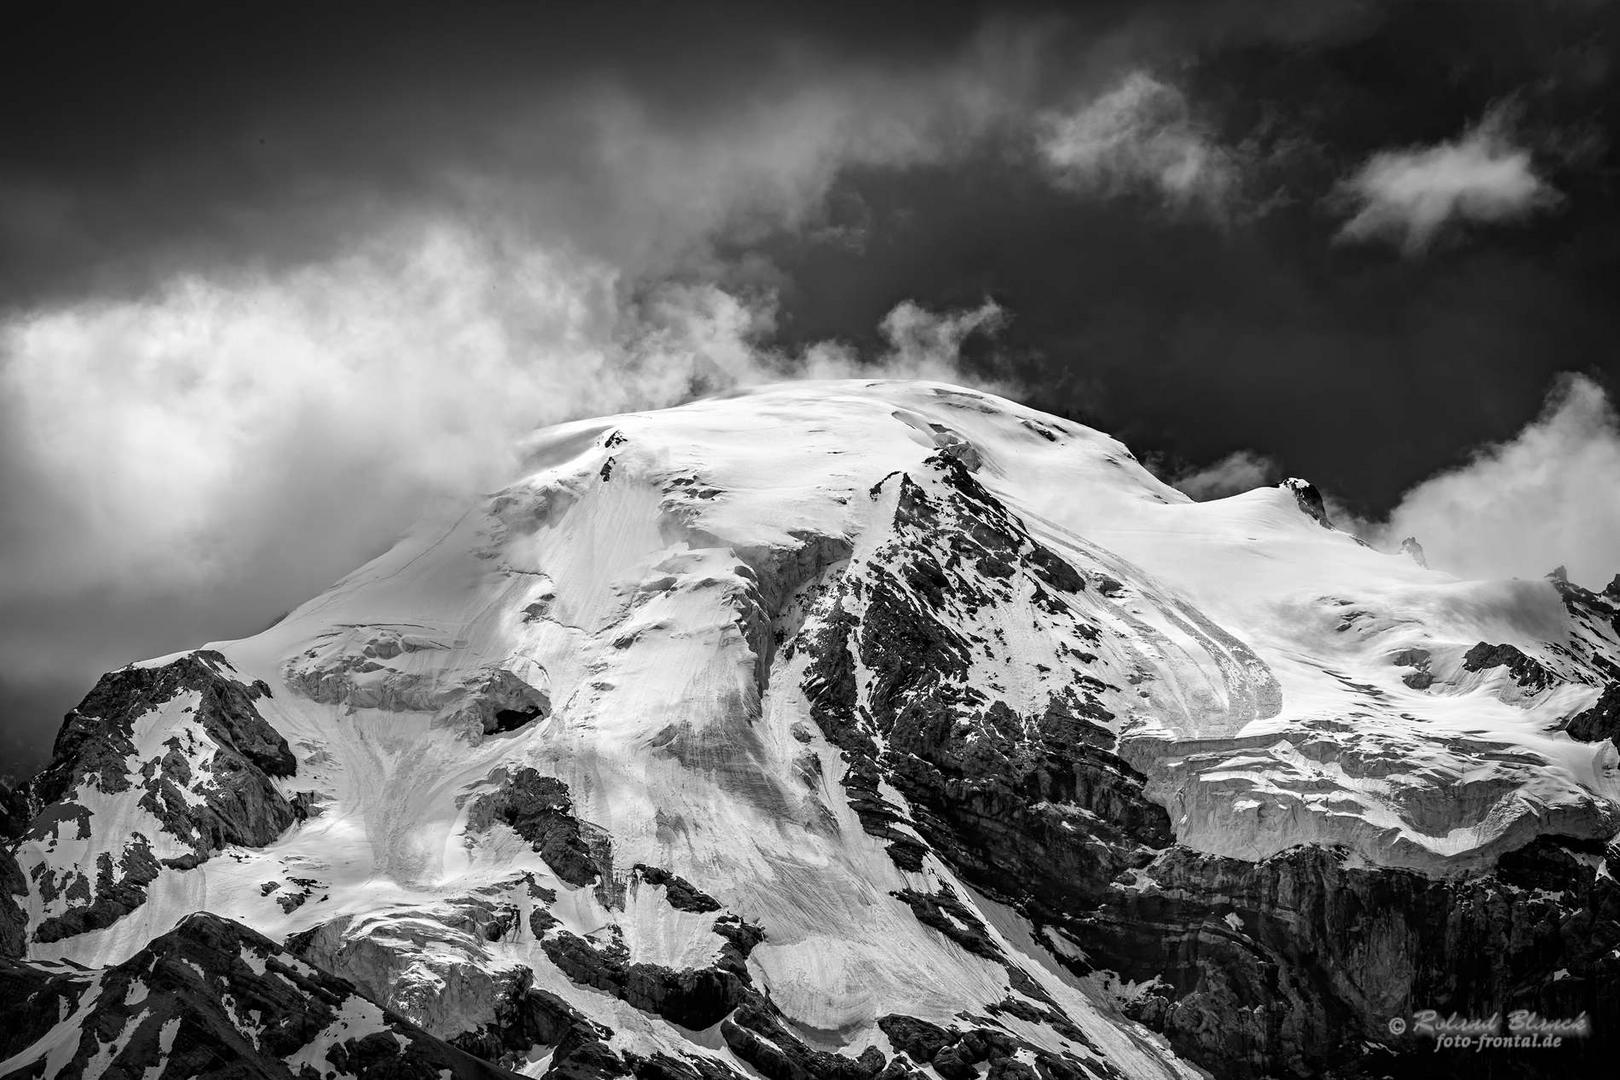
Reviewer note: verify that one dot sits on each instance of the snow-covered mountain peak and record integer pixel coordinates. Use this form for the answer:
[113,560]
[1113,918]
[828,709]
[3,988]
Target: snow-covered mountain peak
[820,723]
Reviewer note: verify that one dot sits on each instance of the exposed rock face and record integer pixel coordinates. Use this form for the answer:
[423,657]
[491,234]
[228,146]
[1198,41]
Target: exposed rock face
[13,921]
[1601,721]
[1310,500]
[1525,671]
[1591,654]
[694,998]
[524,1016]
[97,736]
[538,809]
[682,894]
[1419,660]
[1292,965]
[993,791]
[1414,551]
[207,785]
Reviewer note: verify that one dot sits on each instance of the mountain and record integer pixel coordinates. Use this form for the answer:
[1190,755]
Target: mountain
[853,730]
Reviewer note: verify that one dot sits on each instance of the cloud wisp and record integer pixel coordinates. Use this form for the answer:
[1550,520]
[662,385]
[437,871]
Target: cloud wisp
[1237,472]
[1408,197]
[1140,135]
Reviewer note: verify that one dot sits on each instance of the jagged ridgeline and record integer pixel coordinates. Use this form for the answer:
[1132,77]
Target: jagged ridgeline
[837,731]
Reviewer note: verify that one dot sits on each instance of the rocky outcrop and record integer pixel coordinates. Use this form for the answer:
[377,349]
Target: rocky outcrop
[1309,499]
[958,1053]
[681,894]
[1001,796]
[524,1016]
[945,912]
[210,784]
[1527,672]
[1037,810]
[1419,660]
[758,1036]
[1601,721]
[694,998]
[94,903]
[1593,651]
[539,809]
[96,738]
[13,920]
[521,1017]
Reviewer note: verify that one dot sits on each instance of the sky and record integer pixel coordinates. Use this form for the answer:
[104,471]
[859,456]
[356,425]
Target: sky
[275,279]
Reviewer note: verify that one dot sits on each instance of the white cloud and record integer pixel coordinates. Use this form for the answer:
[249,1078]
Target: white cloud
[922,344]
[1549,496]
[272,427]
[248,439]
[1237,472]
[221,445]
[1406,197]
[1141,134]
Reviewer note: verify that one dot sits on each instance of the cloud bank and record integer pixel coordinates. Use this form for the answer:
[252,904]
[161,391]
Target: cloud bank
[1407,197]
[245,412]
[249,439]
[273,344]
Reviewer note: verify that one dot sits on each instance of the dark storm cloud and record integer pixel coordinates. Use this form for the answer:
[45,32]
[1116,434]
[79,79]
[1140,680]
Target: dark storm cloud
[275,278]
[147,138]
[167,136]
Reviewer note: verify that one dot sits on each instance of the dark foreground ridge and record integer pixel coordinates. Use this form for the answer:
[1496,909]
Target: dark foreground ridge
[212,998]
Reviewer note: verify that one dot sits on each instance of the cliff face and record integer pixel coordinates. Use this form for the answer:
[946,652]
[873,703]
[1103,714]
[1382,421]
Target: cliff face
[1331,952]
[838,730]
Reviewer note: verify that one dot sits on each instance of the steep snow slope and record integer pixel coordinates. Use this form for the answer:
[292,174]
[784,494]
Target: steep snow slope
[715,729]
